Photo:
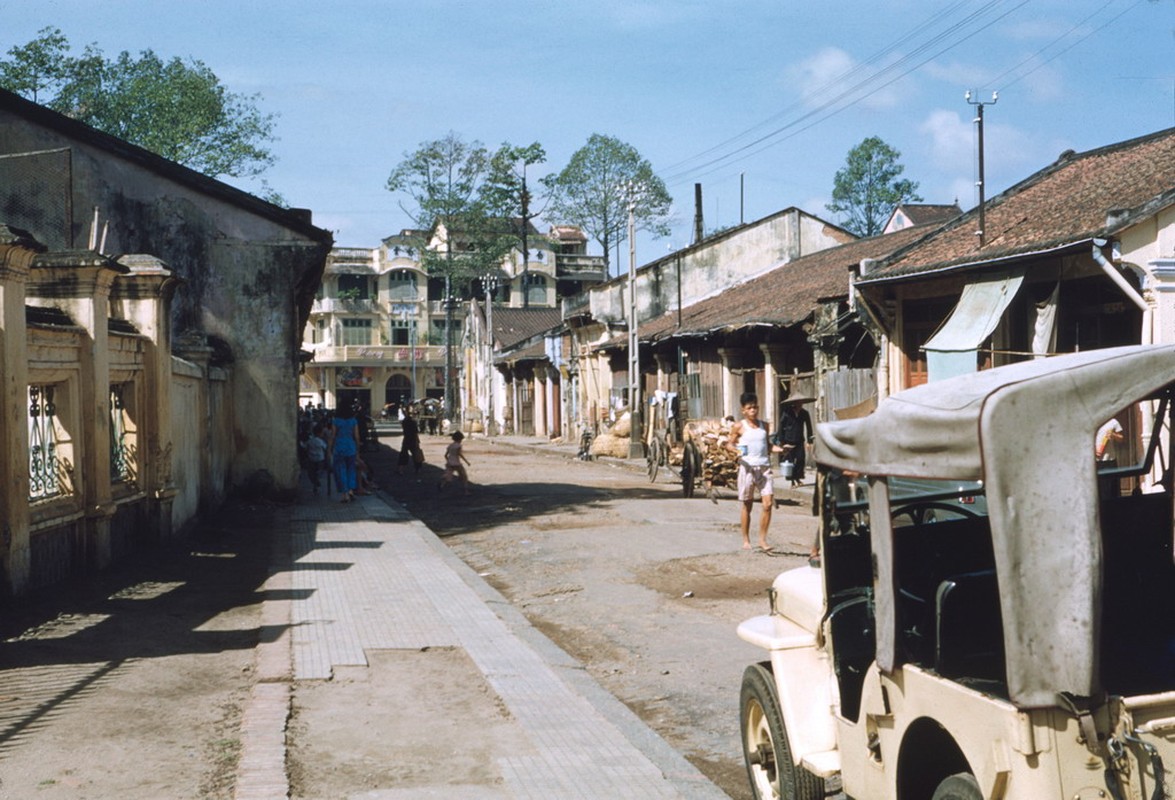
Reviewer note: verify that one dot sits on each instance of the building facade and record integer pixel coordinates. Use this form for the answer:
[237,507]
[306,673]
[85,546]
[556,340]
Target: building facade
[377,332]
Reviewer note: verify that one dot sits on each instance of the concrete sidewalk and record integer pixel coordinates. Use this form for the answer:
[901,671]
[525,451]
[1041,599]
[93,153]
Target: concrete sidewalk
[403,589]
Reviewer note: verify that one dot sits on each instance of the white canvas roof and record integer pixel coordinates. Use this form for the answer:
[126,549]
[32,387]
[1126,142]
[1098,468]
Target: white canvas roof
[1027,431]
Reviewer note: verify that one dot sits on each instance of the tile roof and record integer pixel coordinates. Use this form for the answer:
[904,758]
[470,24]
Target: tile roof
[515,325]
[926,213]
[1079,197]
[784,296]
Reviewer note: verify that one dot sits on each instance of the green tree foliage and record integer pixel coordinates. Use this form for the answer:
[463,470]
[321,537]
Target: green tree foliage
[445,180]
[178,109]
[37,69]
[594,189]
[867,189]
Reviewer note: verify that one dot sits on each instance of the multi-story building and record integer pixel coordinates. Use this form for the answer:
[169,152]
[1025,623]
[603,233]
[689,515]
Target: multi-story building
[377,330]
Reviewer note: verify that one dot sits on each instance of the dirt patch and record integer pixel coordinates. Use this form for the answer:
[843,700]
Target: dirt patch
[711,577]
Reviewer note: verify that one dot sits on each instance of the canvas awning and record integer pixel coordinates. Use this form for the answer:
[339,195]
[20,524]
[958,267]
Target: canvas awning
[951,350]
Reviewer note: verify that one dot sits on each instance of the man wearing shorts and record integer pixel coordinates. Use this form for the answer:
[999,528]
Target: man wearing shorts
[748,437]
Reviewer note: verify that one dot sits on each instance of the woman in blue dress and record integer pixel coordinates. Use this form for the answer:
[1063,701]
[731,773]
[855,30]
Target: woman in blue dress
[345,449]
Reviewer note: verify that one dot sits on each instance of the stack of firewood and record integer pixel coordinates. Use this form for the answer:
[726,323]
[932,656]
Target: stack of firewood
[719,462]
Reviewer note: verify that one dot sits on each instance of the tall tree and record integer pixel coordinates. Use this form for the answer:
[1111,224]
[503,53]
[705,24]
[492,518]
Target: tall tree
[594,190]
[507,194]
[39,68]
[178,109]
[444,181]
[867,188]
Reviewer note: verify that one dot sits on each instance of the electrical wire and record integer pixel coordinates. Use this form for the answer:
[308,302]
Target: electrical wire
[829,109]
[855,93]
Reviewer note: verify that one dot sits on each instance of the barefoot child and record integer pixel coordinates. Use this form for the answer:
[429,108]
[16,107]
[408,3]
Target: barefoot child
[453,466]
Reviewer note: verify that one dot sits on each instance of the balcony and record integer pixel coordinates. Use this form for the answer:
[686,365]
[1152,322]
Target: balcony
[436,308]
[580,267]
[372,355]
[333,305]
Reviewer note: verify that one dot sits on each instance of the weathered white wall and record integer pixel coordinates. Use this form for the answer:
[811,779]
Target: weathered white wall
[704,270]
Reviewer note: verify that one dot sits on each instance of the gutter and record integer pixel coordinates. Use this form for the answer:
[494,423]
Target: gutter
[1115,275]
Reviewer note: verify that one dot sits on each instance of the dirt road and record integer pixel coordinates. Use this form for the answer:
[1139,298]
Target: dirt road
[642,586]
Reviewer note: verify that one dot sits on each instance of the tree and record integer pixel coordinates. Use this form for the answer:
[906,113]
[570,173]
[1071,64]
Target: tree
[594,189]
[177,109]
[867,189]
[37,68]
[445,181]
[507,195]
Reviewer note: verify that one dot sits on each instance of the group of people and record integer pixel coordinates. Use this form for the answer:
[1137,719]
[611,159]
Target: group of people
[751,440]
[331,441]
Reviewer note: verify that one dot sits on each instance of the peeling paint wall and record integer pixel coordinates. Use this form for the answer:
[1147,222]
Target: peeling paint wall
[247,267]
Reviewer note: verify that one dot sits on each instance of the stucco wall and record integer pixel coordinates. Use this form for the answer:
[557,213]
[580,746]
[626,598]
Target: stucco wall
[249,269]
[718,263]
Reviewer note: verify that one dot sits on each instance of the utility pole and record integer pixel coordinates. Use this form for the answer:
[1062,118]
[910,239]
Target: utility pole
[636,442]
[995,96]
[525,244]
[491,286]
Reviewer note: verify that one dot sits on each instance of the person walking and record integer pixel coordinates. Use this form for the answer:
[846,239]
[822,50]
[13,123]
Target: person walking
[453,467]
[748,438]
[795,434]
[410,444]
[344,442]
[315,456]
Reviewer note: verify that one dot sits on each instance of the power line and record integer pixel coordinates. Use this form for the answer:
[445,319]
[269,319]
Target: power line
[1064,50]
[829,108]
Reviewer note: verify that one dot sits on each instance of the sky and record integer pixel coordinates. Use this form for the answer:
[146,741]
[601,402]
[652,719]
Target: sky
[759,101]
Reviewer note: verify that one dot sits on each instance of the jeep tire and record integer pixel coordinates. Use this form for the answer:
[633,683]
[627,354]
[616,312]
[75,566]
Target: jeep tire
[766,751]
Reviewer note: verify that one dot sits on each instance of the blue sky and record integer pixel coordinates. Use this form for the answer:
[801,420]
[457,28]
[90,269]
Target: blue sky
[774,91]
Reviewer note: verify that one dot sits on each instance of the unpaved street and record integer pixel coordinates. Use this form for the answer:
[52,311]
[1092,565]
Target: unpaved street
[642,586]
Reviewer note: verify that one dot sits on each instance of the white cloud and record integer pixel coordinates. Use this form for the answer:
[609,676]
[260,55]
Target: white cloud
[826,75]
[952,139]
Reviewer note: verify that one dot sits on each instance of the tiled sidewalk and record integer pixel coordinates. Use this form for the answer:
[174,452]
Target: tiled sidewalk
[368,576]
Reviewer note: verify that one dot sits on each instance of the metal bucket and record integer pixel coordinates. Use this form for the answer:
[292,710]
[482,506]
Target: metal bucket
[787,468]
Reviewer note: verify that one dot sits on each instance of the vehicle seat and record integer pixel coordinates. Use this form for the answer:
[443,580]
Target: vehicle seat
[969,631]
[854,646]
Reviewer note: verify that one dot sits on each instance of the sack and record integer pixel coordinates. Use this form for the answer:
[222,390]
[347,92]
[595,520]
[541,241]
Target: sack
[418,456]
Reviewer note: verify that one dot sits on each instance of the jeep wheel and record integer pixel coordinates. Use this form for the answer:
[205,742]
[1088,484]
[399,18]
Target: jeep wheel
[765,749]
[961,786]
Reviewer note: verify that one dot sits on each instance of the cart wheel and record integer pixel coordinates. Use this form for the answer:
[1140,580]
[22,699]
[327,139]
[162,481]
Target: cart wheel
[691,463]
[655,456]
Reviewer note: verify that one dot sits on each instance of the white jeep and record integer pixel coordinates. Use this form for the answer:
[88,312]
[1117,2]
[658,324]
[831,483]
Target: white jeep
[994,613]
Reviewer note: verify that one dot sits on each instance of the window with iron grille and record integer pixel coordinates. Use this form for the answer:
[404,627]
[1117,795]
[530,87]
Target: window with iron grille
[124,466]
[46,468]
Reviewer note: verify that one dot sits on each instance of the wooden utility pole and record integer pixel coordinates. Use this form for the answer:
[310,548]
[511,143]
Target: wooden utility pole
[980,183]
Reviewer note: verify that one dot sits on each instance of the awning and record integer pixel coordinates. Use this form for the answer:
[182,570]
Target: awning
[951,351]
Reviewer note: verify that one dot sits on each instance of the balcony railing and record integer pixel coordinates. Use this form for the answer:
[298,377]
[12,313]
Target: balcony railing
[581,267]
[375,354]
[333,305]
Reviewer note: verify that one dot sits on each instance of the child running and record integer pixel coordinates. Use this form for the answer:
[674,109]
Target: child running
[453,467]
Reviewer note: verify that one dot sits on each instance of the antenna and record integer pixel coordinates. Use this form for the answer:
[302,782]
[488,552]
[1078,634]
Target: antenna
[995,96]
